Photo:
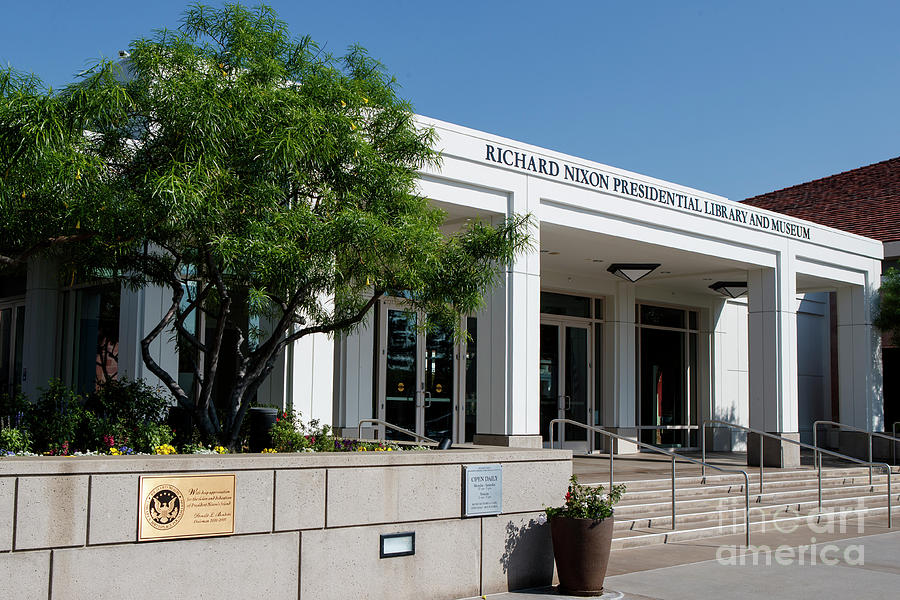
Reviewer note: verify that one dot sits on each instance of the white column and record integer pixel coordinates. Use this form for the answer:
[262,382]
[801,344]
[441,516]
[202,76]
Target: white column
[41,302]
[620,373]
[773,361]
[859,360]
[509,348]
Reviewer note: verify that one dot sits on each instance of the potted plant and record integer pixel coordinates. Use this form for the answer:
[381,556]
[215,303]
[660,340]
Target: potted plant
[582,531]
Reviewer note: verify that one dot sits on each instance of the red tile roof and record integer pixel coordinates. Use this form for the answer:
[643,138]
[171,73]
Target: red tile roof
[865,201]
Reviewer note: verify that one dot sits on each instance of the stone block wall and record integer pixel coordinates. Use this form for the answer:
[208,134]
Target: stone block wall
[306,526]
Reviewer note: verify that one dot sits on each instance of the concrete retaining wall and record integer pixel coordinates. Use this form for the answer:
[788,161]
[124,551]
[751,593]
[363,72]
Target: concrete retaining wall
[306,526]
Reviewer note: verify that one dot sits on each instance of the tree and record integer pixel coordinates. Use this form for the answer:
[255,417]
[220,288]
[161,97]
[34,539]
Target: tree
[254,175]
[888,317]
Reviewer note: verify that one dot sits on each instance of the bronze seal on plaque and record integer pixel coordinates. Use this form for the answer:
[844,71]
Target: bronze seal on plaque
[164,506]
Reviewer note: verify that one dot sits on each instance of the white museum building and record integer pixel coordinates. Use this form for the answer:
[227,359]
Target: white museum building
[643,306]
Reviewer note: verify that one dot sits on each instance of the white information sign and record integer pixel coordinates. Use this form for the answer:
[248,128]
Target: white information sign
[483,490]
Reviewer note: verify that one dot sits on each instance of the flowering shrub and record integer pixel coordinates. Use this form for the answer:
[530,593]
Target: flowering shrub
[14,440]
[587,502]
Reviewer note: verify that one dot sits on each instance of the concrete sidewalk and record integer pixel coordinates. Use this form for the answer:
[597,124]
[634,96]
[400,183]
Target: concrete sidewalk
[863,567]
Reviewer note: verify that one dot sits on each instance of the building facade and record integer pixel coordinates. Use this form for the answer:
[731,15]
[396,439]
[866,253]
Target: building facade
[571,332]
[865,201]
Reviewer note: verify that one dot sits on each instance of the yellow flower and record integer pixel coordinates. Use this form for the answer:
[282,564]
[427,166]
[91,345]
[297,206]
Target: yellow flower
[220,450]
[23,195]
[78,175]
[343,104]
[269,451]
[352,126]
[366,100]
[165,449]
[115,452]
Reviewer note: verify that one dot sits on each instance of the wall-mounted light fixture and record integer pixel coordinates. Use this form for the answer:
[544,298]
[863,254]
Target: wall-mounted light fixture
[632,271]
[730,289]
[397,544]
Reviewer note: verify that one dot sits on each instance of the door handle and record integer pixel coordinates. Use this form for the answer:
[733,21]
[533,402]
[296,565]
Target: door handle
[427,399]
[567,402]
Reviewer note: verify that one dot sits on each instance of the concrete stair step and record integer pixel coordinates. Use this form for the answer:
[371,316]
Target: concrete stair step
[753,474]
[635,538]
[635,508]
[715,489]
[757,512]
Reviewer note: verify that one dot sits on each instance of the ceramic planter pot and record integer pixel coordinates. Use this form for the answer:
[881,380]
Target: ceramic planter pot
[581,549]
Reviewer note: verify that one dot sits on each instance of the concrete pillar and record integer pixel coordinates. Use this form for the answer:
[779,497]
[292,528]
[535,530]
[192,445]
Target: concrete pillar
[41,327]
[859,365]
[773,363]
[509,350]
[620,372]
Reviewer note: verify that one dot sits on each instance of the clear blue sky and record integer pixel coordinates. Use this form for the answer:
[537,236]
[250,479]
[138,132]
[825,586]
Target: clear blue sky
[735,98]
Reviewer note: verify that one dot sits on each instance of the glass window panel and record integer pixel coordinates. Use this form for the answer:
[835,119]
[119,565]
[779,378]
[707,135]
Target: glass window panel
[471,378]
[563,304]
[19,346]
[598,308]
[549,376]
[662,316]
[693,319]
[5,349]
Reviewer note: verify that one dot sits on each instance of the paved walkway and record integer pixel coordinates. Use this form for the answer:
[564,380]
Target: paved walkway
[860,568]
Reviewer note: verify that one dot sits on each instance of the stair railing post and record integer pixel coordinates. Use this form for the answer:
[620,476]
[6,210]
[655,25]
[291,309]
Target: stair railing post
[611,442]
[815,442]
[820,483]
[673,492]
[747,509]
[870,458]
[703,451]
[761,461]
[889,497]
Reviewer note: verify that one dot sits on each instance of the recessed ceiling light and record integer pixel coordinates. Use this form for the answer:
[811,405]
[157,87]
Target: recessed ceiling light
[666,272]
[553,253]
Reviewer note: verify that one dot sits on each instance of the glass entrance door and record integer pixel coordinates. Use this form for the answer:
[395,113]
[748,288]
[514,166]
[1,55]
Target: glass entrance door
[667,346]
[564,380]
[401,390]
[419,374]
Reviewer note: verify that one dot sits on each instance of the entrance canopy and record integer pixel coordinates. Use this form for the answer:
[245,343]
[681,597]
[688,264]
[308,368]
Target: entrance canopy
[589,216]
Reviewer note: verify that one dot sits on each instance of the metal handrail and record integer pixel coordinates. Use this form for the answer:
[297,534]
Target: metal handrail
[418,437]
[673,456]
[821,451]
[870,435]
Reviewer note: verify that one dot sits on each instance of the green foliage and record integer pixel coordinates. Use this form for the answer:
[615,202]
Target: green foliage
[129,402]
[888,317]
[14,440]
[55,420]
[291,434]
[587,502]
[12,409]
[247,170]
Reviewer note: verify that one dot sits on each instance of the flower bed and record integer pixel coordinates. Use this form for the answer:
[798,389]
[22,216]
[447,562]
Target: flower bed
[129,418]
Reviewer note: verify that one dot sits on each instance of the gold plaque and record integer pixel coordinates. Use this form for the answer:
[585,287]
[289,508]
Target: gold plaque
[185,506]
